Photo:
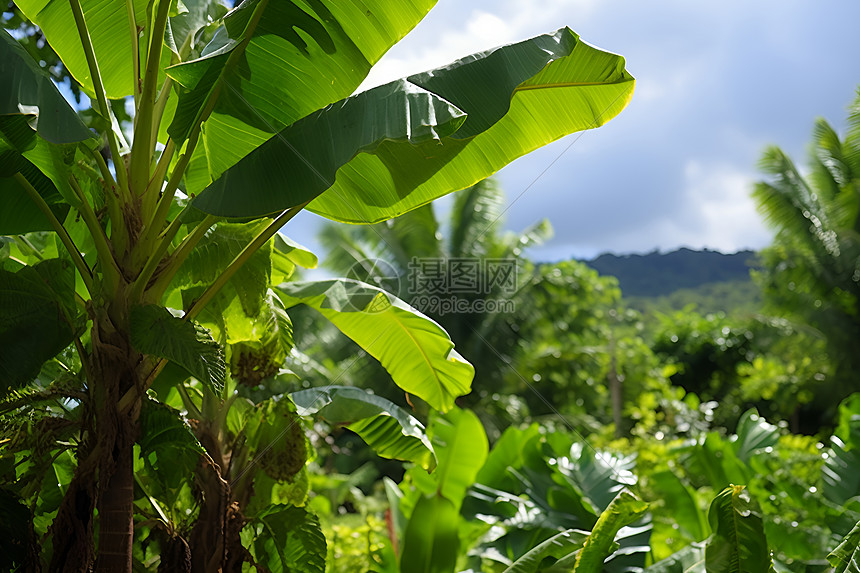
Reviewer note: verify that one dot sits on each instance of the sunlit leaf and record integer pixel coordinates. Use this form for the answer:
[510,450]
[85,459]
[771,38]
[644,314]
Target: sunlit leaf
[754,434]
[680,500]
[554,548]
[840,475]
[416,351]
[461,447]
[690,559]
[624,510]
[431,542]
[386,427]
[107,22]
[739,544]
[386,151]
[299,58]
[28,90]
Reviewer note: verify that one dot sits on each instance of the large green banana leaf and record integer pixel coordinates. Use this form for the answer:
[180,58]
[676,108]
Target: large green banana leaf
[383,425]
[384,152]
[739,543]
[37,319]
[431,542]
[28,90]
[299,57]
[461,448]
[107,21]
[416,351]
[20,214]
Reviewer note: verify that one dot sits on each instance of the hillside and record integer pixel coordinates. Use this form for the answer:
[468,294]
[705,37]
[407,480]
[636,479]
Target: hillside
[661,274]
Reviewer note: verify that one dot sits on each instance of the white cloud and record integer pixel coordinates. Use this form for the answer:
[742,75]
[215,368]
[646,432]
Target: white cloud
[719,212]
[446,35]
[438,41]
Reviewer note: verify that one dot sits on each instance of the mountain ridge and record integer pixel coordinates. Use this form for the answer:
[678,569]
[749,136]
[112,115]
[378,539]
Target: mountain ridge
[658,274]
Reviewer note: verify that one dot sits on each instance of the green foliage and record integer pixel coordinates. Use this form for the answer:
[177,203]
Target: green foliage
[30,89]
[431,543]
[453,153]
[623,510]
[735,298]
[691,559]
[285,538]
[417,352]
[743,362]
[463,448]
[275,434]
[557,548]
[681,502]
[531,488]
[410,257]
[839,474]
[846,557]
[387,428]
[169,452]
[154,330]
[38,318]
[739,543]
[144,316]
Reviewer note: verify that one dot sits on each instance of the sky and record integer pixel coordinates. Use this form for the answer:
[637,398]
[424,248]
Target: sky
[716,83]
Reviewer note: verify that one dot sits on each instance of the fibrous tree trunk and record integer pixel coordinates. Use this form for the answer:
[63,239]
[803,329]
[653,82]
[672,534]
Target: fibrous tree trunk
[116,364]
[215,541]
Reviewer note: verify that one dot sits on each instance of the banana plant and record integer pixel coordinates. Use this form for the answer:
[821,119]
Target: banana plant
[137,260]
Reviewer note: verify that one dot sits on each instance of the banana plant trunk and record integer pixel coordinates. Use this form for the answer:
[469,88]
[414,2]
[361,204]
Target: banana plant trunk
[116,370]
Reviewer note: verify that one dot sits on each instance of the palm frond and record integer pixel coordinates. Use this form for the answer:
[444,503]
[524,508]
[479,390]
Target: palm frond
[346,245]
[475,218]
[415,235]
[828,150]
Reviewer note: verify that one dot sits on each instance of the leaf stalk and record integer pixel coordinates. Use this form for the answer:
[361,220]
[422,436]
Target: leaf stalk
[141,148]
[241,259]
[110,269]
[104,106]
[135,49]
[180,254]
[77,259]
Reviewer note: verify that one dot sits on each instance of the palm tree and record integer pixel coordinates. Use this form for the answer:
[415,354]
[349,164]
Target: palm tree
[811,272]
